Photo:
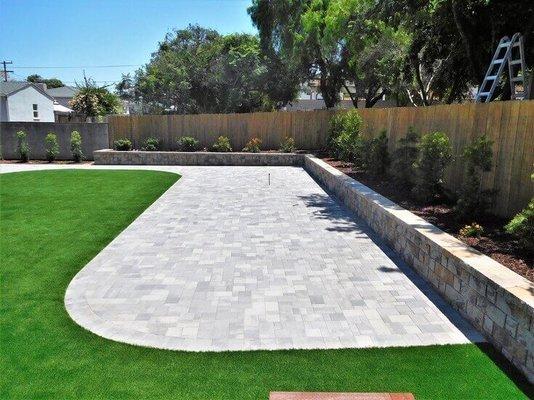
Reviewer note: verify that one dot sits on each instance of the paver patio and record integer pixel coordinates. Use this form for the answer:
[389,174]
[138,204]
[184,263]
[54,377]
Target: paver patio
[225,261]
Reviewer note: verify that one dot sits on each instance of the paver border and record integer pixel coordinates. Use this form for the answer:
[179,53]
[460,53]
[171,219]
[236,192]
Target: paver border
[496,300]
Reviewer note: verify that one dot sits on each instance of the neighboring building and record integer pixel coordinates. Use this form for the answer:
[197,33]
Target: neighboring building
[26,102]
[63,95]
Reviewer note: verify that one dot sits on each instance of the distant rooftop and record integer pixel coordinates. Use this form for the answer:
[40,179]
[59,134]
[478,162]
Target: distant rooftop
[9,87]
[63,91]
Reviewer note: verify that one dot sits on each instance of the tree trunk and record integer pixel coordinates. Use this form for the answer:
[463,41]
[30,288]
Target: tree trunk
[476,70]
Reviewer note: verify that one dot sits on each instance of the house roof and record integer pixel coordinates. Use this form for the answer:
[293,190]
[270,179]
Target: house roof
[58,108]
[10,87]
[63,91]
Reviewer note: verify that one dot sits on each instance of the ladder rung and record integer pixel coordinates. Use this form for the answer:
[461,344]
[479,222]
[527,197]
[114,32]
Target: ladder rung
[516,44]
[498,61]
[518,79]
[483,94]
[505,44]
[491,77]
[514,62]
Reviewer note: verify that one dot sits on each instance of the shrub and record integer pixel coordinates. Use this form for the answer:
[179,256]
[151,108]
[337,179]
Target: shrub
[51,146]
[287,145]
[522,226]
[435,153]
[253,146]
[22,146]
[404,158]
[122,144]
[473,230]
[151,144]
[376,156]
[188,143]
[76,146]
[472,200]
[344,140]
[222,144]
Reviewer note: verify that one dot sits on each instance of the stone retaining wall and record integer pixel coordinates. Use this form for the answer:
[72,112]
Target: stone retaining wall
[113,157]
[496,300]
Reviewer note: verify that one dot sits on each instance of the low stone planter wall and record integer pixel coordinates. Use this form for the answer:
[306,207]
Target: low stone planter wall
[496,300]
[113,157]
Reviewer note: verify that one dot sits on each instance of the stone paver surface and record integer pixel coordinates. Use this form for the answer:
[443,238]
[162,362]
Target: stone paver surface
[225,261]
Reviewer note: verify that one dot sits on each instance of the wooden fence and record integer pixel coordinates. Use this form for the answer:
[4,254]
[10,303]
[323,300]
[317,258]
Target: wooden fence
[509,124]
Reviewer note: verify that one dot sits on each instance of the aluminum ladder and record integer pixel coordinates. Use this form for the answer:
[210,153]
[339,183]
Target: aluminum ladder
[511,52]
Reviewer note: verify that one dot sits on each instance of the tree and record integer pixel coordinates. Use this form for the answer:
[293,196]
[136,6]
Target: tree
[91,100]
[50,83]
[197,70]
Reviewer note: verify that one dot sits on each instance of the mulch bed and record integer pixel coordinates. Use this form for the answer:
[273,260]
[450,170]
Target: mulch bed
[43,162]
[494,242]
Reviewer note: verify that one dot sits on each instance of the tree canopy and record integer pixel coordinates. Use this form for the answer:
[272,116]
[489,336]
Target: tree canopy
[91,100]
[197,70]
[50,83]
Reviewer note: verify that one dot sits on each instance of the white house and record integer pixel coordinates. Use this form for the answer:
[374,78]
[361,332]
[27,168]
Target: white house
[26,102]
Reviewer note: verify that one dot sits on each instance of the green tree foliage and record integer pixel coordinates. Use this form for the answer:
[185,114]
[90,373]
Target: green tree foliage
[50,83]
[91,100]
[196,70]
[404,158]
[522,225]
[472,200]
[376,155]
[76,146]
[51,146]
[188,143]
[435,153]
[23,147]
[344,139]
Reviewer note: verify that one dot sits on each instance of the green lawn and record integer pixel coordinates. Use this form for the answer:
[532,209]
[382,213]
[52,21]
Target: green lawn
[52,223]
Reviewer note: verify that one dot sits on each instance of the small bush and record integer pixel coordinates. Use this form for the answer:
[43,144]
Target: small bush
[122,144]
[51,146]
[253,146]
[188,143]
[287,145]
[150,144]
[22,146]
[344,140]
[76,146]
[522,226]
[404,158]
[472,200]
[222,144]
[376,156]
[473,230]
[435,153]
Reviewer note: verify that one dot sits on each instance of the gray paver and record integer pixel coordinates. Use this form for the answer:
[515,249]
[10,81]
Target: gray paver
[223,261]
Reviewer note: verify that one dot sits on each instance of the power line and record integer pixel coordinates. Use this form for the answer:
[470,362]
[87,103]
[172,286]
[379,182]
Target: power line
[80,66]
[5,69]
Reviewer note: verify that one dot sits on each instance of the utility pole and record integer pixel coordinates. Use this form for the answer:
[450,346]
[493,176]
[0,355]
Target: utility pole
[5,69]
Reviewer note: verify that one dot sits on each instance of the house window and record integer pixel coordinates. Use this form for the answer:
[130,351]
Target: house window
[35,112]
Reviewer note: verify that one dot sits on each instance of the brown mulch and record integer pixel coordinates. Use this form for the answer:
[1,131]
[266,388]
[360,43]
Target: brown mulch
[494,242]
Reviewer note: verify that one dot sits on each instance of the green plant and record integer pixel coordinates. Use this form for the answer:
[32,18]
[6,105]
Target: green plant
[435,153]
[287,145]
[253,146]
[404,158]
[376,156]
[122,144]
[222,144]
[344,140]
[22,146]
[188,143]
[76,146]
[522,225]
[151,144]
[472,200]
[51,146]
[472,230]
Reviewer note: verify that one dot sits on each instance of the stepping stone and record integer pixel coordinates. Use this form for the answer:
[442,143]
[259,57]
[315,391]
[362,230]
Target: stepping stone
[339,396]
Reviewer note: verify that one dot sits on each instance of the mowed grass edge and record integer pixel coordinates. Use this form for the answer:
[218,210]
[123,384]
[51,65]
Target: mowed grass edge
[53,222]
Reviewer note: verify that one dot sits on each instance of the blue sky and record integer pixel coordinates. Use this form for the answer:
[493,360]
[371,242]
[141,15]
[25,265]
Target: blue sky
[102,32]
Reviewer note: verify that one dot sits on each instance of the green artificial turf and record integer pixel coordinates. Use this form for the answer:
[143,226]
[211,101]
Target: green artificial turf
[53,222]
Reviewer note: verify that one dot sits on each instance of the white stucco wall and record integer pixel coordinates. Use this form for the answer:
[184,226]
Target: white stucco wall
[20,106]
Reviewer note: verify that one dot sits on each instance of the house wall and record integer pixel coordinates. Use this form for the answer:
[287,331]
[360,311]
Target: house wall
[20,106]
